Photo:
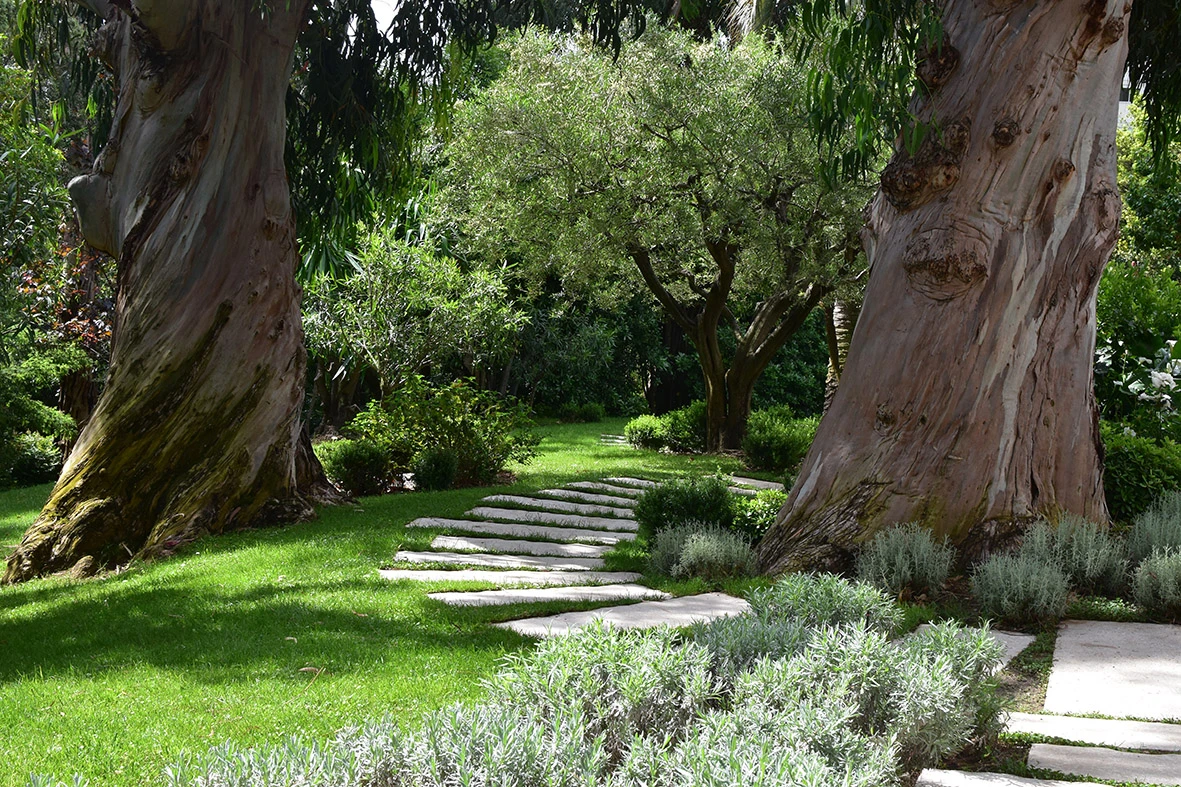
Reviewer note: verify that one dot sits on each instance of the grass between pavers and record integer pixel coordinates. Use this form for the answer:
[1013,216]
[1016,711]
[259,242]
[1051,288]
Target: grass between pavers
[1011,756]
[258,635]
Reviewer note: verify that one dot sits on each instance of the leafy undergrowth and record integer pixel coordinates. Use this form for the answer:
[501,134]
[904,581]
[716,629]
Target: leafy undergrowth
[254,636]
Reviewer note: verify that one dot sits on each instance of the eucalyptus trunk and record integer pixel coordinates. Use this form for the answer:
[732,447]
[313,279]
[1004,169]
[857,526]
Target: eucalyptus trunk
[198,428]
[967,401]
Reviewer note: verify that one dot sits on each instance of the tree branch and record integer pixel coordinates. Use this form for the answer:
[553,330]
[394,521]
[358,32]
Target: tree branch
[643,260]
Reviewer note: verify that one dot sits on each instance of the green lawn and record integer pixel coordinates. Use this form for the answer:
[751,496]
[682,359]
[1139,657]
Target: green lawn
[254,636]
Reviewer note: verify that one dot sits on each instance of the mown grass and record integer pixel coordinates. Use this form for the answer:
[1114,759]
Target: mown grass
[258,635]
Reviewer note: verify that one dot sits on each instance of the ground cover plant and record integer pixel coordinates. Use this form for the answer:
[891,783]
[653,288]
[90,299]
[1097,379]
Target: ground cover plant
[112,678]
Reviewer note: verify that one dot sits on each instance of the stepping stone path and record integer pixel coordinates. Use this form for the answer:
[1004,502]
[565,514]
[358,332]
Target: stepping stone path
[1126,671]
[559,537]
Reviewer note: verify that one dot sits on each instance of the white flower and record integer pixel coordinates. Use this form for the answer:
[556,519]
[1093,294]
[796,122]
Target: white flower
[1162,380]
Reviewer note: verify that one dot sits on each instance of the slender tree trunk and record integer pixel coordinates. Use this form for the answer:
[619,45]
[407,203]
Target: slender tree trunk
[198,427]
[839,321]
[967,399]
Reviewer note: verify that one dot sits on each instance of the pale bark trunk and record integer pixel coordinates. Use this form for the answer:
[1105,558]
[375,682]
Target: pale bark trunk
[198,427]
[840,320]
[967,400]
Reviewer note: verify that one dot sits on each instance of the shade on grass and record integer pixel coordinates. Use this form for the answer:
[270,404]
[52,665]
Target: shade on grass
[257,635]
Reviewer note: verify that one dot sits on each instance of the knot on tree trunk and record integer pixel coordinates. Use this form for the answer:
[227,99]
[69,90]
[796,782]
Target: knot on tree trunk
[936,64]
[945,263]
[911,181]
[1005,132]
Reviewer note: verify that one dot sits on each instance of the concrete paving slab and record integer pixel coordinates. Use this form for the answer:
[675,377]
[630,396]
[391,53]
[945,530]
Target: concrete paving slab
[611,489]
[1118,733]
[932,777]
[642,483]
[757,483]
[1123,670]
[488,598]
[506,546]
[682,611]
[744,491]
[549,518]
[1100,763]
[588,497]
[522,530]
[509,578]
[535,562]
[560,506]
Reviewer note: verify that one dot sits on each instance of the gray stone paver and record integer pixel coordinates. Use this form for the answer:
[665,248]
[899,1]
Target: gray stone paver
[1124,670]
[507,546]
[744,491]
[509,578]
[757,483]
[589,497]
[1118,733]
[681,611]
[611,489]
[546,517]
[485,560]
[560,506]
[932,777]
[487,598]
[1100,763]
[523,530]
[642,483]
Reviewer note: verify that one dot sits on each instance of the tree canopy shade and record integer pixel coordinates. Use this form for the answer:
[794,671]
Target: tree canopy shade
[198,427]
[967,401]
[689,163]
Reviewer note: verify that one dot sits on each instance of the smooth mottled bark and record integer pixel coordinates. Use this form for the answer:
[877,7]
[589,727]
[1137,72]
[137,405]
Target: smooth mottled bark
[967,400]
[198,427]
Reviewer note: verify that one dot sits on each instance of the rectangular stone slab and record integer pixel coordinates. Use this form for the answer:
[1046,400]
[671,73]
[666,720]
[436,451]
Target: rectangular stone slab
[1100,763]
[682,611]
[485,560]
[545,517]
[588,497]
[561,506]
[516,547]
[611,489]
[642,483]
[509,578]
[741,490]
[932,777]
[1123,670]
[1120,734]
[756,483]
[489,598]
[521,530]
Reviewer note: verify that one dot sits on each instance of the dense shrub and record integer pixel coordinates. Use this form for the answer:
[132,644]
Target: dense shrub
[359,467]
[1158,527]
[435,469]
[905,559]
[703,500]
[1157,584]
[826,599]
[571,413]
[706,551]
[1137,471]
[646,431]
[1091,557]
[483,430]
[775,440]
[1020,589]
[736,643]
[753,516]
[35,459]
[685,429]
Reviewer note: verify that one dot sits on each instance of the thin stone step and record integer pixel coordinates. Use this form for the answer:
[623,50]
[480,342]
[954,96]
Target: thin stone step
[509,578]
[1118,733]
[536,562]
[757,483]
[642,483]
[588,497]
[742,490]
[545,517]
[611,489]
[1121,670]
[932,777]
[1100,763]
[506,546]
[560,506]
[489,598]
[682,611]
[523,530]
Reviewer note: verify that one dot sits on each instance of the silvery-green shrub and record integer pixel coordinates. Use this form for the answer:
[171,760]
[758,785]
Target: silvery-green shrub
[1092,559]
[813,600]
[698,549]
[905,558]
[1157,584]
[1157,528]
[1020,589]
[735,643]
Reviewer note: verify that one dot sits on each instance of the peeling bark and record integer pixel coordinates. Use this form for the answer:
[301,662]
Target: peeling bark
[198,428]
[967,401]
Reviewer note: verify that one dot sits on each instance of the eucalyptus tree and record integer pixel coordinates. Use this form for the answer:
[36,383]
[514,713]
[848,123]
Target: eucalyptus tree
[967,399]
[687,162]
[198,428]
